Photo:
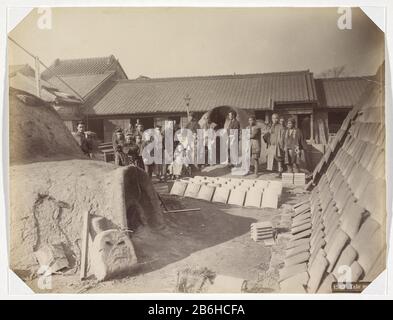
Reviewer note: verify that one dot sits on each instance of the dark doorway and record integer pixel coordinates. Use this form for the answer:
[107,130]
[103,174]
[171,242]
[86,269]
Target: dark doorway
[148,123]
[304,124]
[97,126]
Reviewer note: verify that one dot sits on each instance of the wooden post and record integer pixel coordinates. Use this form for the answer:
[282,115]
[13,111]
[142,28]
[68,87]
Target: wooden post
[37,77]
[85,245]
[312,126]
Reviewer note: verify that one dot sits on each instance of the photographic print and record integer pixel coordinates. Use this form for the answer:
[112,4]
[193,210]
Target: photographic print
[197,150]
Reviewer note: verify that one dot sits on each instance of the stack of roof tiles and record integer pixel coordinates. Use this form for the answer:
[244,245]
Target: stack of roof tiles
[262,231]
[241,192]
[338,235]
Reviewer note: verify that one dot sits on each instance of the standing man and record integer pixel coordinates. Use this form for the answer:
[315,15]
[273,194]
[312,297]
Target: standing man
[118,139]
[293,145]
[139,129]
[192,124]
[282,121]
[80,138]
[129,129]
[275,150]
[255,142]
[161,167]
[231,124]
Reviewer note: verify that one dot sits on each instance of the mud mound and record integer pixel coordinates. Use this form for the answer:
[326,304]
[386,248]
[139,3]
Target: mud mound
[52,184]
[36,131]
[47,201]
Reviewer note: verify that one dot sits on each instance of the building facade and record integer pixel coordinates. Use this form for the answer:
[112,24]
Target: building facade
[106,99]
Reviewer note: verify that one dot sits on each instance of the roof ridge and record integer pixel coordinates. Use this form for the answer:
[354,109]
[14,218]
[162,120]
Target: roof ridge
[88,58]
[344,78]
[105,73]
[221,76]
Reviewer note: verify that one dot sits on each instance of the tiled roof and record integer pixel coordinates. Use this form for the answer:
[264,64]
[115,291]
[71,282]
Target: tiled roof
[27,84]
[253,91]
[352,174]
[48,92]
[82,84]
[340,92]
[83,66]
[24,69]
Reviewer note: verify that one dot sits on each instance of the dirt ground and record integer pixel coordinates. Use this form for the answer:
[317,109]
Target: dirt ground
[216,237]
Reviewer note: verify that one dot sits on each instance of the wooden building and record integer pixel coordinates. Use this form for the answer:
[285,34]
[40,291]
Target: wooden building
[106,99]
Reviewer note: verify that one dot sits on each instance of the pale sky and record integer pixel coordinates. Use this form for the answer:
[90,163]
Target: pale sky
[166,42]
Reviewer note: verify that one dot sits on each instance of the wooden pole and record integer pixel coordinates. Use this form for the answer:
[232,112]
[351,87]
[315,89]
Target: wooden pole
[37,77]
[182,210]
[85,245]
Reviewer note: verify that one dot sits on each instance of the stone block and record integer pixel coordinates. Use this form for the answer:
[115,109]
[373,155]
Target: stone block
[319,244]
[299,179]
[367,229]
[351,219]
[298,242]
[334,251]
[318,230]
[295,284]
[254,198]
[247,183]
[178,188]
[316,272]
[297,258]
[221,194]
[206,192]
[192,190]
[314,254]
[373,199]
[275,186]
[269,199]
[262,184]
[300,235]
[237,197]
[305,247]
[287,178]
[371,250]
[291,271]
[299,222]
[357,271]
[326,286]
[301,228]
[301,209]
[347,257]
[52,257]
[330,236]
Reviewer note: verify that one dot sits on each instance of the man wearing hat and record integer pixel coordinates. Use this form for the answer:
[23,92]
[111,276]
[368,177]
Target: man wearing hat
[118,138]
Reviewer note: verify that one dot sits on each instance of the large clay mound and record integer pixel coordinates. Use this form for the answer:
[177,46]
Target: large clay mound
[36,131]
[52,184]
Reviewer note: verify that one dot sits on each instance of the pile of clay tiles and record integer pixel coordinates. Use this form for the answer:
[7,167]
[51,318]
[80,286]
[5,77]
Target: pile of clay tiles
[297,179]
[240,192]
[262,231]
[338,235]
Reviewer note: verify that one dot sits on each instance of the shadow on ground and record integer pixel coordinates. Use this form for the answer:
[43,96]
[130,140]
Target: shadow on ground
[186,232]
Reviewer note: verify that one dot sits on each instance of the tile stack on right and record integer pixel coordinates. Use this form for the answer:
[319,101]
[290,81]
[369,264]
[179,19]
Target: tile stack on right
[338,234]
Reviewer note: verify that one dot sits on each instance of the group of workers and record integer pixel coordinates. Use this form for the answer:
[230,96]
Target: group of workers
[284,144]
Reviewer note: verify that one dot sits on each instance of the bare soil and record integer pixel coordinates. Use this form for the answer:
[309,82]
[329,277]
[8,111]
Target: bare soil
[216,237]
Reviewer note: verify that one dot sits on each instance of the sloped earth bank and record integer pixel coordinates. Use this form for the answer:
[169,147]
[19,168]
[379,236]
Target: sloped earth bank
[48,199]
[216,237]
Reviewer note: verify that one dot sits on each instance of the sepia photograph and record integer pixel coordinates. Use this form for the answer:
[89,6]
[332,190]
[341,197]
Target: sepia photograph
[196,150]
